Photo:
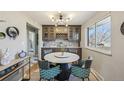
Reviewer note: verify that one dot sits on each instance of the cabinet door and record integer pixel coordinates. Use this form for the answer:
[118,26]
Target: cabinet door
[45,33]
[77,33]
[70,37]
[48,33]
[74,33]
[51,33]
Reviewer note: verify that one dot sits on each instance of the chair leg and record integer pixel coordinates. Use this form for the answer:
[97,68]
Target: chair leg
[88,79]
[40,79]
[52,79]
[82,79]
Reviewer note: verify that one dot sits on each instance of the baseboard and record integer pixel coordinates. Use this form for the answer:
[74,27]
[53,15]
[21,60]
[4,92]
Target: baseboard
[97,75]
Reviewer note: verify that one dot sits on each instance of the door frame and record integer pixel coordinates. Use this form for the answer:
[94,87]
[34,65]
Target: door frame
[35,29]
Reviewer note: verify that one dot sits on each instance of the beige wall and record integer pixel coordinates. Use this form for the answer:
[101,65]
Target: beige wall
[19,20]
[109,67]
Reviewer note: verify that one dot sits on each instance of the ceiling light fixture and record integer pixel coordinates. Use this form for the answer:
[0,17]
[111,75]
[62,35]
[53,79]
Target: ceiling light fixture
[60,19]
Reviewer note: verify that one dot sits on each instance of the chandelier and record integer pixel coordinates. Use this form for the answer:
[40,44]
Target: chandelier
[60,19]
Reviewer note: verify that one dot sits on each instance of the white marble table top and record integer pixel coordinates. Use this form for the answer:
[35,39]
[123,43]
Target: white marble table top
[57,57]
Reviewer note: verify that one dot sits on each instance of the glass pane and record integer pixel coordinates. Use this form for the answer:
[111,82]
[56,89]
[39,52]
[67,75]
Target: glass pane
[91,36]
[103,34]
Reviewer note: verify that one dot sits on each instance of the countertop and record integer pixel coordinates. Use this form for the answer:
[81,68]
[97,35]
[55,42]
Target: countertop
[2,67]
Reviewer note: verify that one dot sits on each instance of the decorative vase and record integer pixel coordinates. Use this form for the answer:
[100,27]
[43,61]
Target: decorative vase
[62,50]
[4,57]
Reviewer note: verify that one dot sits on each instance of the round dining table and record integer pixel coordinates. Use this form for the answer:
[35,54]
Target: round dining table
[62,59]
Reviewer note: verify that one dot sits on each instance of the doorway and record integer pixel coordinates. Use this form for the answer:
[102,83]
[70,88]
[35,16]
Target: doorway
[32,37]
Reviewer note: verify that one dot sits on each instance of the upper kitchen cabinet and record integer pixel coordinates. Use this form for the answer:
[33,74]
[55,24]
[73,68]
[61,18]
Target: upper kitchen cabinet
[61,32]
[71,33]
[48,33]
[74,33]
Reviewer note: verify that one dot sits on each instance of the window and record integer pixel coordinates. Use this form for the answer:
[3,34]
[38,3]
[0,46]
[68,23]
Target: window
[91,36]
[99,35]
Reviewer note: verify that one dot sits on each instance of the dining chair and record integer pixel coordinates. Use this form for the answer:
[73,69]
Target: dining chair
[73,51]
[47,51]
[82,71]
[47,73]
[79,63]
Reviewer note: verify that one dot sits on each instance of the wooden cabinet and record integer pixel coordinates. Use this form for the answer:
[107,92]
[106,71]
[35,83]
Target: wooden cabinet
[48,33]
[74,33]
[8,70]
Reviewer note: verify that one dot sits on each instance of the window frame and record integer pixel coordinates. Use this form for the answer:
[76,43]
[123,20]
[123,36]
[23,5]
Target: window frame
[96,49]
[88,35]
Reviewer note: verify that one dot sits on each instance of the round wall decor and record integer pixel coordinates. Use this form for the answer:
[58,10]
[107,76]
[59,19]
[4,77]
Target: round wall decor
[22,54]
[12,32]
[122,28]
[2,35]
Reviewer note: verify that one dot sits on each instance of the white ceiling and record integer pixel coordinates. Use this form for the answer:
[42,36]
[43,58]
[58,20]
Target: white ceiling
[43,17]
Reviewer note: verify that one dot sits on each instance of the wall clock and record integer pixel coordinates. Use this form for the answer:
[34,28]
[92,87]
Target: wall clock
[122,28]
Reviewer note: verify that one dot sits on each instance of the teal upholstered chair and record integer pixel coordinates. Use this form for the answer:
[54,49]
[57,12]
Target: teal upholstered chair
[47,51]
[82,71]
[47,73]
[80,63]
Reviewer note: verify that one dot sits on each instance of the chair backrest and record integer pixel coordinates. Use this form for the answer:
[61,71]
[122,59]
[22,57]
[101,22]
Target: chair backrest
[73,51]
[47,51]
[43,64]
[81,63]
[88,63]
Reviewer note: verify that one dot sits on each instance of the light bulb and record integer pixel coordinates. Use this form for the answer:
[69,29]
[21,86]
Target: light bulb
[66,25]
[67,19]
[59,11]
[53,19]
[56,25]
